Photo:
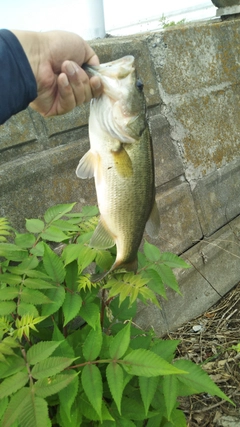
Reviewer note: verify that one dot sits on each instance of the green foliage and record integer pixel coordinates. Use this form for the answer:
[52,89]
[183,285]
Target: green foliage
[70,354]
[165,23]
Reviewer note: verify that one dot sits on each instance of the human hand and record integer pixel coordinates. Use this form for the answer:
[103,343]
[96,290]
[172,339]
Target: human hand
[56,58]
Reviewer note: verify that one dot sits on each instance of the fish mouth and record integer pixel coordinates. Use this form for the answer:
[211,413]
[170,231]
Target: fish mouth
[118,69]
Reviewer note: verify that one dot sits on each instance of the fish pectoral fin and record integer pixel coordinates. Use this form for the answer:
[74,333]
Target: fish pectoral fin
[102,238]
[122,162]
[87,165]
[153,223]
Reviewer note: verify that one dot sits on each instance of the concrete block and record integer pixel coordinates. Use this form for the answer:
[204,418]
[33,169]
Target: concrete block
[215,269]
[211,124]
[168,163]
[209,50]
[230,10]
[217,197]
[75,119]
[30,185]
[17,134]
[179,222]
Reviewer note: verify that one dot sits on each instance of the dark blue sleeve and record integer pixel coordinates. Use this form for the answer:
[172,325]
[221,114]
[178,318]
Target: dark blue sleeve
[17,82]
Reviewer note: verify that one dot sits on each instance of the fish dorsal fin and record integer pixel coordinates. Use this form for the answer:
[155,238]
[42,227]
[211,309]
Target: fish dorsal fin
[102,238]
[153,223]
[122,163]
[87,165]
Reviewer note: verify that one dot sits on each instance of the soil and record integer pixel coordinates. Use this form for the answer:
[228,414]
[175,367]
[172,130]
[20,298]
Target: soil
[209,341]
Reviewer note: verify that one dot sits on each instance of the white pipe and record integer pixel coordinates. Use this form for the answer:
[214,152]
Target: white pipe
[91,22]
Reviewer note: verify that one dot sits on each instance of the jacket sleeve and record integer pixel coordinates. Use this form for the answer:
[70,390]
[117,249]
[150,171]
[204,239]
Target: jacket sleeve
[17,82]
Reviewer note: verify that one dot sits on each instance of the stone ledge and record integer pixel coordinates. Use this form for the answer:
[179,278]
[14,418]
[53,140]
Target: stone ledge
[180,226]
[30,185]
[217,197]
[230,10]
[201,286]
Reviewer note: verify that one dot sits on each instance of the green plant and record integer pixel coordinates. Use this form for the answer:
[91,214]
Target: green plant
[165,23]
[70,353]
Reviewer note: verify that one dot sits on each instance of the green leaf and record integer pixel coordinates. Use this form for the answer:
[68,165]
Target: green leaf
[24,325]
[71,278]
[25,240]
[173,260]
[120,342]
[65,225]
[65,349]
[90,313]
[148,387]
[68,394]
[151,252]
[165,348]
[170,392]
[28,264]
[12,384]
[48,386]
[93,344]
[89,211]
[70,253]
[30,411]
[24,309]
[114,375]
[92,385]
[8,293]
[197,381]
[38,249]
[123,311]
[53,265]
[178,419]
[155,283]
[57,211]
[104,259]
[10,279]
[12,252]
[37,283]
[57,296]
[75,417]
[53,234]
[3,406]
[86,255]
[145,363]
[167,276]
[71,306]
[14,364]
[34,296]
[133,408]
[41,351]
[7,307]
[34,225]
[51,366]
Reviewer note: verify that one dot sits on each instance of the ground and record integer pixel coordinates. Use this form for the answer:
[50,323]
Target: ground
[209,340]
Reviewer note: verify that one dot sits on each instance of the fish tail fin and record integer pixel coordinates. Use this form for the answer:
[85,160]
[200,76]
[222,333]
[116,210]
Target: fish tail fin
[128,266]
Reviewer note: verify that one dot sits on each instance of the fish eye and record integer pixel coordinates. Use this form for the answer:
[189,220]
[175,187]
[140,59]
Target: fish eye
[139,84]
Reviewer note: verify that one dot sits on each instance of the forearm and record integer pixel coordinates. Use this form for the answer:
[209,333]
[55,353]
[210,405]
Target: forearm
[17,83]
[32,44]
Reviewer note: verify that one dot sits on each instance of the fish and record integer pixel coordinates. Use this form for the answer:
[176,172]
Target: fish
[121,161]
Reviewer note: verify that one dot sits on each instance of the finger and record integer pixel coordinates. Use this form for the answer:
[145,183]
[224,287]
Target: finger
[94,60]
[78,80]
[65,100]
[96,86]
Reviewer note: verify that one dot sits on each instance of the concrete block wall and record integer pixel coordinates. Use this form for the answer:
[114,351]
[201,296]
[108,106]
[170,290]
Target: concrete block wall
[191,77]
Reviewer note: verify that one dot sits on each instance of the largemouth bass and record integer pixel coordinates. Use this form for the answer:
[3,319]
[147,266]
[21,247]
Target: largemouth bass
[121,161]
